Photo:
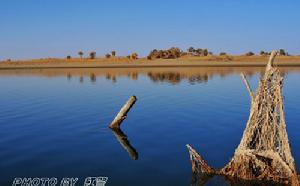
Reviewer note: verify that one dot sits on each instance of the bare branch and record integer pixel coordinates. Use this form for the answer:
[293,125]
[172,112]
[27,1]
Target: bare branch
[251,93]
[271,60]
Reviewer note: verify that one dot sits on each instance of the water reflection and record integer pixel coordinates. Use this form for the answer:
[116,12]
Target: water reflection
[81,79]
[123,140]
[111,77]
[172,76]
[93,77]
[69,76]
[204,179]
[108,162]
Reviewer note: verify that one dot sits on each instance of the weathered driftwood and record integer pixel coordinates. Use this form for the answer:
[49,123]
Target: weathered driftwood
[115,124]
[264,152]
[122,138]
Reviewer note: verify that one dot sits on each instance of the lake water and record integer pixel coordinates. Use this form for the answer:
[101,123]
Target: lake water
[53,123]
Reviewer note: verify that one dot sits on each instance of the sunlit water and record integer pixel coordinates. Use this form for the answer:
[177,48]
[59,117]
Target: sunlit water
[54,123]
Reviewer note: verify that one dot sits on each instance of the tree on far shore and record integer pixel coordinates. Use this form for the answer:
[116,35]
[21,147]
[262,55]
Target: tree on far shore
[198,52]
[250,54]
[93,55]
[113,53]
[205,52]
[80,53]
[134,56]
[191,49]
[282,52]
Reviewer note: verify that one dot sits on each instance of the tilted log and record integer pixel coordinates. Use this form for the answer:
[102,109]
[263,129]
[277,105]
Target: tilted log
[115,124]
[123,140]
[264,152]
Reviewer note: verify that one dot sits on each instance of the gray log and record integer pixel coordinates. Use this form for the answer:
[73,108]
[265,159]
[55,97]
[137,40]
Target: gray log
[115,124]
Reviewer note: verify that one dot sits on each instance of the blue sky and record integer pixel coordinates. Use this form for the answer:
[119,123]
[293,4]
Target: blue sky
[57,28]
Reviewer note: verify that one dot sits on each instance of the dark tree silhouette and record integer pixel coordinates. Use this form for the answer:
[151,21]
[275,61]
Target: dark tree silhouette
[93,55]
[113,53]
[250,54]
[205,52]
[198,51]
[282,52]
[191,49]
[262,53]
[80,53]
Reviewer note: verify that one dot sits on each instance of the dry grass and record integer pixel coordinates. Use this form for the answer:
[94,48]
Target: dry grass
[214,60]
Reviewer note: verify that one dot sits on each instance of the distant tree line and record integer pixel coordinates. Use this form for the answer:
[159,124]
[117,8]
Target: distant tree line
[173,53]
[198,52]
[282,52]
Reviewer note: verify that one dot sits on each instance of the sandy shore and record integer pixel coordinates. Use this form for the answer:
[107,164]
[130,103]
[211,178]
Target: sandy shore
[256,61]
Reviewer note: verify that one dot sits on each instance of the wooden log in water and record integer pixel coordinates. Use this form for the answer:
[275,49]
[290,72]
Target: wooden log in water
[115,124]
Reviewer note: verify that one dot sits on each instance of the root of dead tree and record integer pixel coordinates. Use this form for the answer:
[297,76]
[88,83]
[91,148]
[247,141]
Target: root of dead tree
[264,152]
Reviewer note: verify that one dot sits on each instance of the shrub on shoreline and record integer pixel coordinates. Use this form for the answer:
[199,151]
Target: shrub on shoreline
[198,52]
[134,56]
[93,55]
[250,54]
[171,53]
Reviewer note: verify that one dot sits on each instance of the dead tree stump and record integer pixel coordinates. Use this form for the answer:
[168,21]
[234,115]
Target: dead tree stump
[264,152]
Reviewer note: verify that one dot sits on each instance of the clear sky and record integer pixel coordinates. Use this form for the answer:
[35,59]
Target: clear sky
[57,28]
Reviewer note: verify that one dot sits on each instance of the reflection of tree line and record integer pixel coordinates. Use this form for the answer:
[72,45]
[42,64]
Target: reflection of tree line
[169,77]
[93,77]
[108,76]
[175,78]
[113,77]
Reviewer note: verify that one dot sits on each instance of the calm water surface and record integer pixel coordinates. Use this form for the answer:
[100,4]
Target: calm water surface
[53,123]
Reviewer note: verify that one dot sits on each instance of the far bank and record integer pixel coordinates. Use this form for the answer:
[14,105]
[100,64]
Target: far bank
[119,62]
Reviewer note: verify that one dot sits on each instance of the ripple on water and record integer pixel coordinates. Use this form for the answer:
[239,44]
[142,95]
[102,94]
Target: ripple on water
[54,127]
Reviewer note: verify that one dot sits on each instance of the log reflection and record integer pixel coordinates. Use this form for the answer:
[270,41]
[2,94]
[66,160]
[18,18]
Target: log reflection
[123,140]
[200,180]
